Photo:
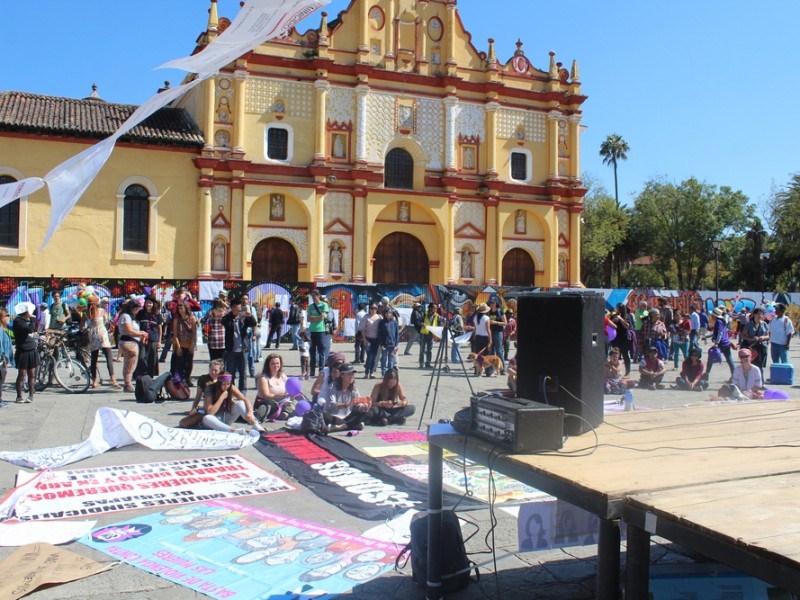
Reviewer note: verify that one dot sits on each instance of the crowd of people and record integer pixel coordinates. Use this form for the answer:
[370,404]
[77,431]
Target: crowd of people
[652,336]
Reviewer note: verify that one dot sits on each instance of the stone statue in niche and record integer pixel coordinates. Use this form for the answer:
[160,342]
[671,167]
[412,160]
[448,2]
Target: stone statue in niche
[466,263]
[335,258]
[276,208]
[223,110]
[404,212]
[469,157]
[406,116]
[218,262]
[519,226]
[338,145]
[562,268]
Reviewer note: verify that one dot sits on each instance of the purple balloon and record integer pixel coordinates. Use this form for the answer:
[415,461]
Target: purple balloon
[293,386]
[771,394]
[302,407]
[611,332]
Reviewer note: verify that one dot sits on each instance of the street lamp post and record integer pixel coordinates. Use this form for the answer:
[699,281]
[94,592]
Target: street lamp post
[716,244]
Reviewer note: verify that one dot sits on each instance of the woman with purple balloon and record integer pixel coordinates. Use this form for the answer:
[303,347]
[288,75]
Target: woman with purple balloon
[274,400]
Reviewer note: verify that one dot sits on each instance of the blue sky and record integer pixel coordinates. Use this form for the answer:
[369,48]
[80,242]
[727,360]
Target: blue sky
[697,88]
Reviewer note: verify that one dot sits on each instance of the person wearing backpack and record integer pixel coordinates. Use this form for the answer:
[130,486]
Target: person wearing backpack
[293,321]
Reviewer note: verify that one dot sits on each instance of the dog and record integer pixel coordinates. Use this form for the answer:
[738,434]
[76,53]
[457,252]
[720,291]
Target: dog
[482,362]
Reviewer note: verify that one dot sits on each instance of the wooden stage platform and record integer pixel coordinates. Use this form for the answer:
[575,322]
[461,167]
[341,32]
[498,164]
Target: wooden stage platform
[719,478]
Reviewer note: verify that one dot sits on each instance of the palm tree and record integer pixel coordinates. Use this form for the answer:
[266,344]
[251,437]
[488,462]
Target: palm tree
[614,149]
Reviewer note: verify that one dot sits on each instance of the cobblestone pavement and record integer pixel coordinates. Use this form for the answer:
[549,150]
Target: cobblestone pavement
[56,419]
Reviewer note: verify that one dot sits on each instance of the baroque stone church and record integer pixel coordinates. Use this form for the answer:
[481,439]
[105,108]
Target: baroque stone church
[381,146]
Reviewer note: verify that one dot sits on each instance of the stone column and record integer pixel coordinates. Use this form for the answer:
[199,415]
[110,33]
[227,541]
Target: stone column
[321,87]
[575,146]
[574,246]
[494,242]
[362,92]
[204,230]
[361,237]
[209,86]
[449,273]
[491,139]
[317,245]
[239,77]
[238,232]
[450,145]
[552,143]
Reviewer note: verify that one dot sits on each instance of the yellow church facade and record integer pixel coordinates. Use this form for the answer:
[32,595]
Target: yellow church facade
[381,147]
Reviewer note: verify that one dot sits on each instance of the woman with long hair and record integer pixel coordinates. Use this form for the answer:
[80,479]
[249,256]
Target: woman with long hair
[389,402]
[129,338]
[26,357]
[151,322]
[99,341]
[184,339]
[224,404]
[271,386]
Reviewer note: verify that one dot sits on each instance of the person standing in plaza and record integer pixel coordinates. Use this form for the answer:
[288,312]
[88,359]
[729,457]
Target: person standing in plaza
[150,321]
[129,340]
[509,333]
[25,355]
[369,332]
[293,321]
[216,331]
[59,313]
[276,326]
[497,323]
[756,337]
[429,319]
[456,329]
[360,346]
[184,340]
[236,325]
[317,314]
[781,331]
[388,338]
[720,339]
[415,322]
[694,321]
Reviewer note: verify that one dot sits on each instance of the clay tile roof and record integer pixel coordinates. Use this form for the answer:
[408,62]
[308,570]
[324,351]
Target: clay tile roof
[94,118]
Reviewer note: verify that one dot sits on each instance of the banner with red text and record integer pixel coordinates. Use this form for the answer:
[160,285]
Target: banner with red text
[90,492]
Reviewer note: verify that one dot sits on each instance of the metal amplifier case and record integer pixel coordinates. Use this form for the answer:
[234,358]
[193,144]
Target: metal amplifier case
[518,424]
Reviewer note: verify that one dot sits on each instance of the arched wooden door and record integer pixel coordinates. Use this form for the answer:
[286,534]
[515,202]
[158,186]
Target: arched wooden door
[274,259]
[400,258]
[518,268]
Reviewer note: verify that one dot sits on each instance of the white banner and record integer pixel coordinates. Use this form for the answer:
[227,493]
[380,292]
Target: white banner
[32,532]
[115,428]
[257,22]
[91,492]
[17,189]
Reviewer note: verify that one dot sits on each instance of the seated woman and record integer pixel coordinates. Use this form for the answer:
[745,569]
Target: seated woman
[747,376]
[215,367]
[344,408]
[692,373]
[326,377]
[511,371]
[224,403]
[272,401]
[614,369]
[389,402]
[651,370]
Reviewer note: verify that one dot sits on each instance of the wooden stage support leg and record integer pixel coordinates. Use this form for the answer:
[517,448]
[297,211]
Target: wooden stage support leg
[637,564]
[608,561]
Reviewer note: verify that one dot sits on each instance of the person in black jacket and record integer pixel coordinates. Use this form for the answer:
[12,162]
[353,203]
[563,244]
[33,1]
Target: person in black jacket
[293,321]
[25,345]
[275,325]
[236,324]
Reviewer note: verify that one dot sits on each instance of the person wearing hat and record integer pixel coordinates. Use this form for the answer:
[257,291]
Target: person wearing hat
[781,331]
[482,340]
[721,340]
[327,375]
[345,409]
[317,314]
[150,321]
[429,319]
[692,373]
[747,377]
[651,370]
[25,355]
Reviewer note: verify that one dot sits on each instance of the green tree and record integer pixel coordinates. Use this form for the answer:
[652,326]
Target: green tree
[613,150]
[604,231]
[784,219]
[676,224]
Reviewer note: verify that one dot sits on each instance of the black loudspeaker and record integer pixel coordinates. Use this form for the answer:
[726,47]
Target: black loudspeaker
[561,353]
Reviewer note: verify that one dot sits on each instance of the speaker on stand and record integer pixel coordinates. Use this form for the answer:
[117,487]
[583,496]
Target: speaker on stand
[560,348]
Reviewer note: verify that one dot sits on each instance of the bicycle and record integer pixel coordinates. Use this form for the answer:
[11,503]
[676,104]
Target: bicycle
[55,363]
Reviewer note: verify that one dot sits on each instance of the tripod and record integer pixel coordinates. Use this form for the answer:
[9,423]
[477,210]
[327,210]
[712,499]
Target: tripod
[436,373]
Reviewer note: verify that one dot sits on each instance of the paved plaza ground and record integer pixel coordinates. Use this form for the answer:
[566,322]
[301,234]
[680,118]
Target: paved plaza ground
[56,418]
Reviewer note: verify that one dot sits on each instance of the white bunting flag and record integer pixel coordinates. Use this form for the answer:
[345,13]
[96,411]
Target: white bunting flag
[17,189]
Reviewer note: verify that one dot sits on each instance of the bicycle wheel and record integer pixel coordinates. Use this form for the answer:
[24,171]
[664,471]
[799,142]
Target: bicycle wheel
[44,372]
[71,375]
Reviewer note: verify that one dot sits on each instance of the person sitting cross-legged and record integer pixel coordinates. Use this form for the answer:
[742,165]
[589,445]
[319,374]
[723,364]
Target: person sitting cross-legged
[651,370]
[692,373]
[389,403]
[344,408]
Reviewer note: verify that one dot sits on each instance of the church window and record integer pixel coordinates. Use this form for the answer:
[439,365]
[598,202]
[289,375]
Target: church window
[9,219]
[136,219]
[399,169]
